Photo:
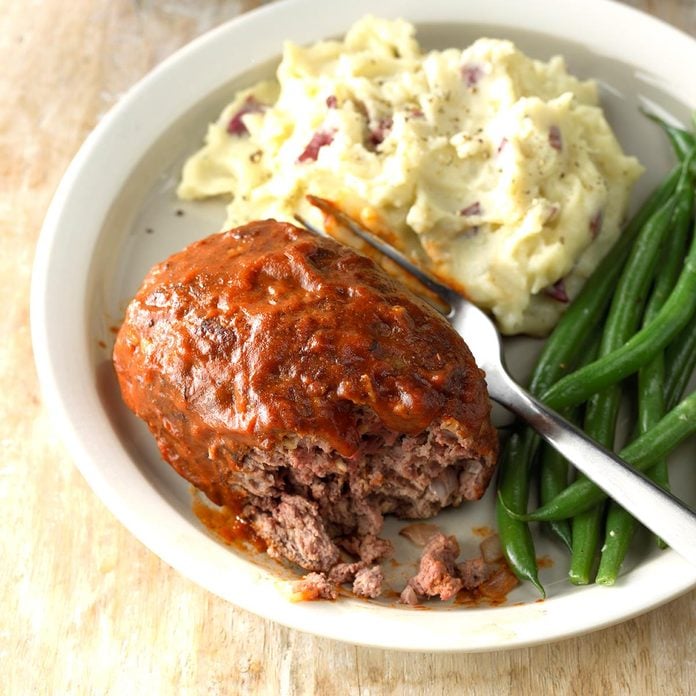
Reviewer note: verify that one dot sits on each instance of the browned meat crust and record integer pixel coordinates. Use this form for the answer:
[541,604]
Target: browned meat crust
[290,371]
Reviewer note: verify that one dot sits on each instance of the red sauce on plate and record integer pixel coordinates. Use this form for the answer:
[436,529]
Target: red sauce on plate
[227,524]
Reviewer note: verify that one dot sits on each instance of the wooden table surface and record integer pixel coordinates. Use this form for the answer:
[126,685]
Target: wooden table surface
[86,608]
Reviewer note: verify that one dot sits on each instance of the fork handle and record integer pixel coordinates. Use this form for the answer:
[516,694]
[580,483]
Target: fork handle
[657,509]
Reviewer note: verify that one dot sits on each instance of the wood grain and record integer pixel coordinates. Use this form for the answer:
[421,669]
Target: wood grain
[86,608]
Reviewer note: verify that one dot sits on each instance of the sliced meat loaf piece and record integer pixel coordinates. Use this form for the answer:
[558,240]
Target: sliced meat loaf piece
[293,373]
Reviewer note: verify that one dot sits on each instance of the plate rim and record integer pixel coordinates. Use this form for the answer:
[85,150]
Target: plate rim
[344,620]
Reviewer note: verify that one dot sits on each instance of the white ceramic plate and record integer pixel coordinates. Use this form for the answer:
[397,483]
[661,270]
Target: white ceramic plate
[115,214]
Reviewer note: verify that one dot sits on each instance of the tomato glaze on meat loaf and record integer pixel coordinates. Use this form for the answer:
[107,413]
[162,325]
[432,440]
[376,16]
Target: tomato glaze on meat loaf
[286,373]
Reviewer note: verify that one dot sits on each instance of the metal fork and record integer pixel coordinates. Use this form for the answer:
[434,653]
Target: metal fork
[657,509]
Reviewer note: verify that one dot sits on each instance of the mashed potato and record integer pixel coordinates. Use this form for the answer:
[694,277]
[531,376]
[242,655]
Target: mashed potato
[498,172]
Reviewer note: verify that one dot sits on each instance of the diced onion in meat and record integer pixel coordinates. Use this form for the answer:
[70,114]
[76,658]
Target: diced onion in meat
[420,533]
[491,550]
[499,584]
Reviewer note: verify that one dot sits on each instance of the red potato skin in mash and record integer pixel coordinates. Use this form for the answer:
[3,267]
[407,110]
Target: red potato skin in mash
[266,331]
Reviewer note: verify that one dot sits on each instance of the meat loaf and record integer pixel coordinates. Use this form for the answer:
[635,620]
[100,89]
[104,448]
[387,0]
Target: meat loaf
[290,377]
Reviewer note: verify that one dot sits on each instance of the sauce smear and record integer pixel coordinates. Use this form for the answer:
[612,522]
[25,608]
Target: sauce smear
[227,524]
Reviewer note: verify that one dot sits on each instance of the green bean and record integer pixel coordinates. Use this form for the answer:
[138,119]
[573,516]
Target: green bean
[586,531]
[680,360]
[651,407]
[553,467]
[620,523]
[619,529]
[603,408]
[675,250]
[680,357]
[556,357]
[636,278]
[651,377]
[609,369]
[683,142]
[515,536]
[600,422]
[553,478]
[651,403]
[642,453]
